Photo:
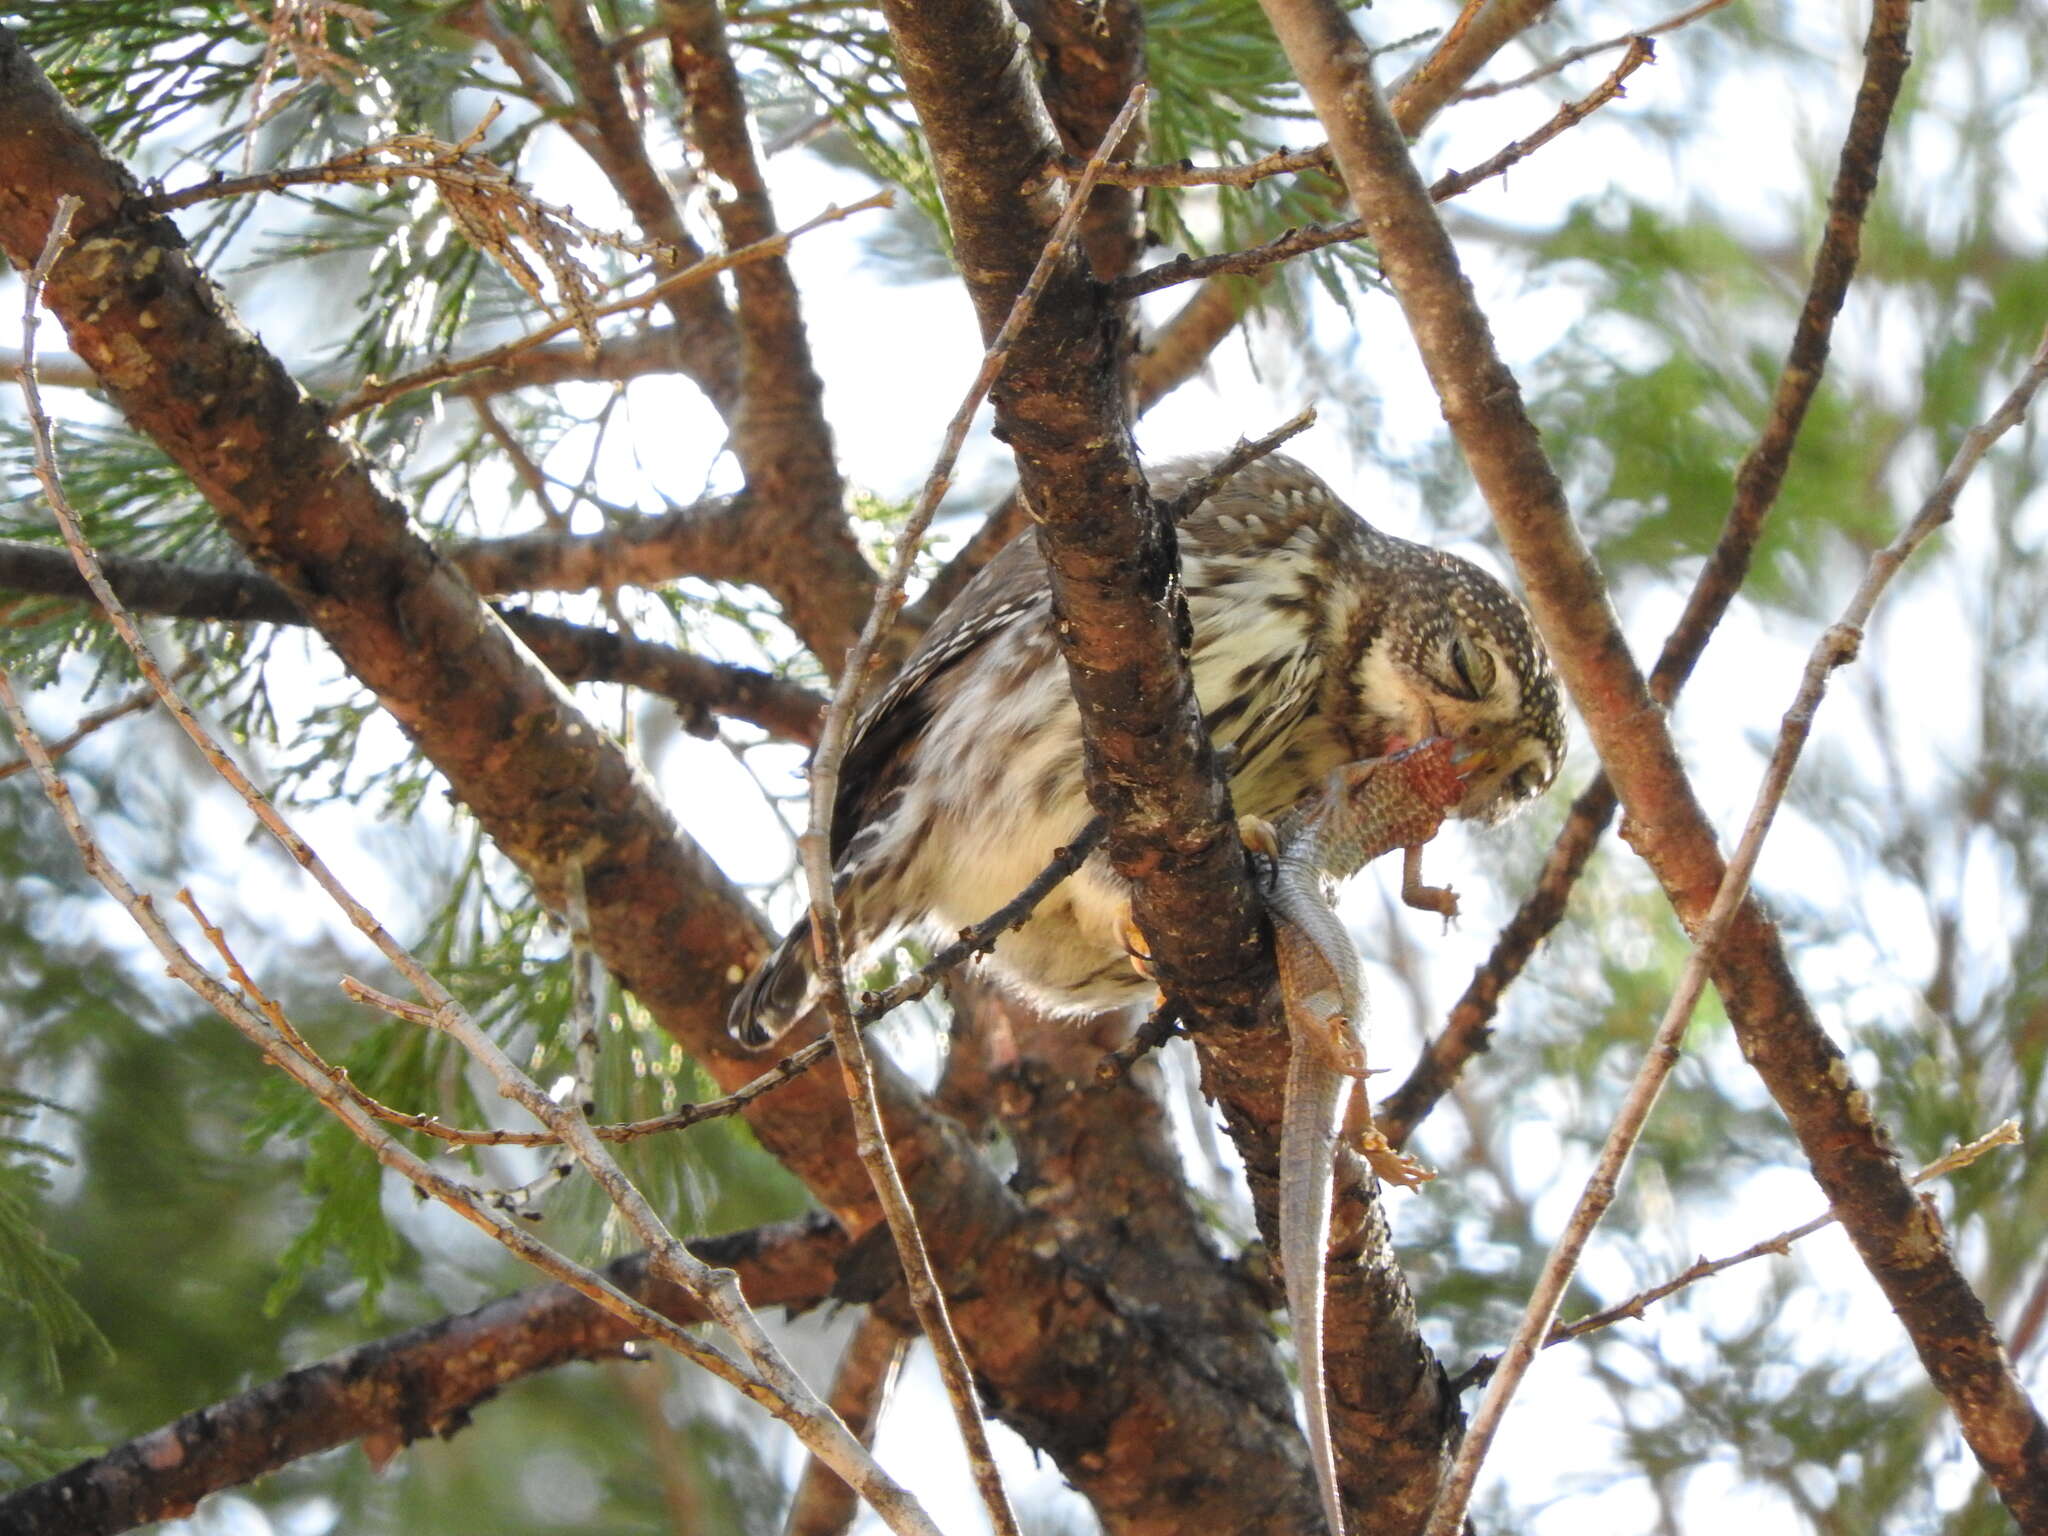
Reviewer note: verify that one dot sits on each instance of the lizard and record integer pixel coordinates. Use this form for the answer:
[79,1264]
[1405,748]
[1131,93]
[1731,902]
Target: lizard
[1364,809]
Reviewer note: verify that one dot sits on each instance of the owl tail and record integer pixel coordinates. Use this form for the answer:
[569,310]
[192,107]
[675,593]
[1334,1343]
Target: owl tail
[778,992]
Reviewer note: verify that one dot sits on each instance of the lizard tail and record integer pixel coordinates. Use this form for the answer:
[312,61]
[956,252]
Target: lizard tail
[1308,1140]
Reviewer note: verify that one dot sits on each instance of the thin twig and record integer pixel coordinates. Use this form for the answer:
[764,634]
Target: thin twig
[1836,647]
[1246,173]
[1587,51]
[377,392]
[1160,1026]
[833,738]
[1641,51]
[770,1381]
[1299,242]
[134,704]
[2004,1134]
[1246,451]
[874,1006]
[1257,258]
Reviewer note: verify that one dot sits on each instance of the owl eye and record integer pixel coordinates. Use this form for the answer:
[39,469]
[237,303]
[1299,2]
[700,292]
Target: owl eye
[1474,666]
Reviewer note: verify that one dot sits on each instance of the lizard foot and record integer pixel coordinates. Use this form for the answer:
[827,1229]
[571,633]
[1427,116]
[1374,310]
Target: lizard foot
[1392,1166]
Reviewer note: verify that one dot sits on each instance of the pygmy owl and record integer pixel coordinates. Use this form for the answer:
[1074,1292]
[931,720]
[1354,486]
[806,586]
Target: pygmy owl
[1318,640]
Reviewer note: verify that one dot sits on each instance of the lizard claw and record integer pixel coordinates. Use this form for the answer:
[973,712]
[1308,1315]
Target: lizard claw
[1340,1046]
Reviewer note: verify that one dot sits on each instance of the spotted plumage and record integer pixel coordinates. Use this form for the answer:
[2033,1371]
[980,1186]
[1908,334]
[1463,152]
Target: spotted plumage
[1318,640]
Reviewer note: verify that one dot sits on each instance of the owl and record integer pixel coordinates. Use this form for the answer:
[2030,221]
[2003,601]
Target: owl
[1317,640]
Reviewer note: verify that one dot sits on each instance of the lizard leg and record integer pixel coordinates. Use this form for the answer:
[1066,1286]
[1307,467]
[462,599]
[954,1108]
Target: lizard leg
[1317,1017]
[1439,899]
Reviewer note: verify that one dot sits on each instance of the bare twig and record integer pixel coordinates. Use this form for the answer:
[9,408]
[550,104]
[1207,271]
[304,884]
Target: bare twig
[1281,162]
[1160,1026]
[1641,51]
[766,1376]
[1246,451]
[2004,1134]
[867,1374]
[98,720]
[1245,263]
[378,392]
[1567,59]
[1299,242]
[1835,648]
[874,1006]
[833,739]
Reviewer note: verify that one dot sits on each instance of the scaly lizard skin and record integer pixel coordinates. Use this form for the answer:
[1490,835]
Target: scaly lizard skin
[1365,809]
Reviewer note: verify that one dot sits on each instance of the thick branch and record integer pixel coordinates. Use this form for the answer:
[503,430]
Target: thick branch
[576,653]
[427,1381]
[1898,1239]
[1091,56]
[779,434]
[1123,626]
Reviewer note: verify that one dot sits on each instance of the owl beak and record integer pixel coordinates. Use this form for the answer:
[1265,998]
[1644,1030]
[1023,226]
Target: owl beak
[1471,761]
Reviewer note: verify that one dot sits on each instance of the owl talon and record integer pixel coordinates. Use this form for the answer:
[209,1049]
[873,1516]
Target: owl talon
[1258,835]
[1135,947]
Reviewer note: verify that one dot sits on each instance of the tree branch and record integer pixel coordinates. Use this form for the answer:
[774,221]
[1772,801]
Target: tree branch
[387,1394]
[576,653]
[1850,1154]
[808,556]
[1757,483]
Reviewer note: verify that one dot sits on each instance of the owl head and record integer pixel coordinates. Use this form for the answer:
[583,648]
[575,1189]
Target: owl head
[1460,659]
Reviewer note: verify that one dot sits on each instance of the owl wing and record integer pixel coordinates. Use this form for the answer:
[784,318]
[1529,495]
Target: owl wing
[1008,591]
